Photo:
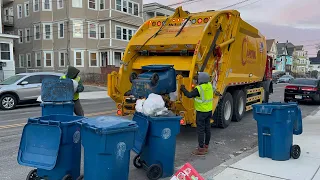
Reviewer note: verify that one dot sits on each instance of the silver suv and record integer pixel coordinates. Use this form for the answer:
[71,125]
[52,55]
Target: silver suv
[22,88]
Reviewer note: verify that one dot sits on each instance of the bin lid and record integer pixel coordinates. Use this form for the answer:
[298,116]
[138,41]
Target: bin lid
[39,146]
[109,124]
[267,108]
[57,90]
[140,138]
[157,67]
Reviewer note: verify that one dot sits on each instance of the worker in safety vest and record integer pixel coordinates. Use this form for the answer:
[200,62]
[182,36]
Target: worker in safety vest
[203,96]
[72,73]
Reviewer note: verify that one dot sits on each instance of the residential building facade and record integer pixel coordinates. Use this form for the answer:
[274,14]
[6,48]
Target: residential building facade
[302,60]
[88,34]
[272,50]
[155,9]
[315,63]
[285,60]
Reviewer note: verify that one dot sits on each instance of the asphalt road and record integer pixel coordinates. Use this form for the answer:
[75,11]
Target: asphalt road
[226,143]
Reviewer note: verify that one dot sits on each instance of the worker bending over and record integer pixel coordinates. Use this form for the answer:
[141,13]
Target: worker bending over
[203,96]
[72,73]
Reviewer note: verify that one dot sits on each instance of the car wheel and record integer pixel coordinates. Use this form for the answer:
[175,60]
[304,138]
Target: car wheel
[8,102]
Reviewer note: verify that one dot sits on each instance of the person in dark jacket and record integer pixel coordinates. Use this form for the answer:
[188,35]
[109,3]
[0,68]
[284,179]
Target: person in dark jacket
[203,97]
[72,73]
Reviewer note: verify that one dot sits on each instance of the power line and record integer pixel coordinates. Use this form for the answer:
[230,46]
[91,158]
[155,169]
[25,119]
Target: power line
[248,4]
[234,4]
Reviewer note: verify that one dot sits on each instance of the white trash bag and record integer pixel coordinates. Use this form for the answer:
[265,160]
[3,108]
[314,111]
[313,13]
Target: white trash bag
[75,85]
[39,99]
[139,105]
[153,105]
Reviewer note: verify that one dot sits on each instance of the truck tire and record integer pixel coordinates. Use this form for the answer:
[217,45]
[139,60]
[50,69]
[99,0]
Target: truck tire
[239,102]
[224,111]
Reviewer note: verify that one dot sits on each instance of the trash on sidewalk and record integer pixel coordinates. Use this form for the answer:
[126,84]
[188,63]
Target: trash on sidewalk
[52,144]
[187,172]
[277,122]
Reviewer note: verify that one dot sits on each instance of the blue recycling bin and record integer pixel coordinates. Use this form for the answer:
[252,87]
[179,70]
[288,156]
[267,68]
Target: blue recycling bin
[52,144]
[277,122]
[155,144]
[51,108]
[107,142]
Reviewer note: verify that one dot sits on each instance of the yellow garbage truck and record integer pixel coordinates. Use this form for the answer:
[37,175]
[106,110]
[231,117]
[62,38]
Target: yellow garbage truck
[167,52]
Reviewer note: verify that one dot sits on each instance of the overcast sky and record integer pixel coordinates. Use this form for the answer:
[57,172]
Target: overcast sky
[295,20]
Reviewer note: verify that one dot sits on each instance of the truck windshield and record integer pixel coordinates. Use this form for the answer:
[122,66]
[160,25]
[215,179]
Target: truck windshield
[11,80]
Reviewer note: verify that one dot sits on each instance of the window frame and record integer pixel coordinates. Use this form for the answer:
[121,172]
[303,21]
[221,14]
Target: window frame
[95,4]
[75,58]
[45,58]
[89,29]
[18,13]
[104,4]
[44,5]
[62,4]
[120,7]
[26,35]
[117,5]
[20,60]
[104,31]
[44,31]
[127,33]
[34,5]
[97,58]
[114,57]
[59,30]
[8,51]
[36,55]
[26,10]
[80,4]
[28,60]
[73,28]
[35,31]
[20,40]
[64,56]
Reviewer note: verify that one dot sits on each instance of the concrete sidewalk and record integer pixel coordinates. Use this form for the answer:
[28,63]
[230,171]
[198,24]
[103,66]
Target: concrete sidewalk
[253,167]
[94,95]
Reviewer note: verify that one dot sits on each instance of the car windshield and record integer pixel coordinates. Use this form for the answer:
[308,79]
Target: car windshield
[310,82]
[11,80]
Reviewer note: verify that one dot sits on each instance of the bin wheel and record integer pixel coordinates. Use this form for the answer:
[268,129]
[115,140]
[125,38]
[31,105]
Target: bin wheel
[67,177]
[295,151]
[32,175]
[133,76]
[80,177]
[137,162]
[154,172]
[154,79]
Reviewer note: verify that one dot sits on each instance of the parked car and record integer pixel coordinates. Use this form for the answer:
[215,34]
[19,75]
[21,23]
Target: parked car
[277,75]
[21,88]
[303,89]
[285,79]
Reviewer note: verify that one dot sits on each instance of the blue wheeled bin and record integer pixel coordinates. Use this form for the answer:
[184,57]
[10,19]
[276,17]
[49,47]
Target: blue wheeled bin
[52,144]
[155,144]
[107,142]
[277,122]
[57,97]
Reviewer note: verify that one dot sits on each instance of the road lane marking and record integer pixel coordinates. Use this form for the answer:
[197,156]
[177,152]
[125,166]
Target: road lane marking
[87,115]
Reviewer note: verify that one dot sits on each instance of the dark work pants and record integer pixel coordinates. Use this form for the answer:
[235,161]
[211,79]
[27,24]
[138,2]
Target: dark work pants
[78,108]
[203,127]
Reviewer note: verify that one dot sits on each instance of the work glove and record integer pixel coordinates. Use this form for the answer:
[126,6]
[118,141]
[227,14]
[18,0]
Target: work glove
[182,87]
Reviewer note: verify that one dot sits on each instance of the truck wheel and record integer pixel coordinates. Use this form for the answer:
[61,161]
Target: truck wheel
[239,102]
[224,111]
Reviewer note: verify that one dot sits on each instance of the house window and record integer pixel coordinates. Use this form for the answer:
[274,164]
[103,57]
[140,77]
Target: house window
[117,58]
[47,5]
[118,5]
[36,32]
[19,11]
[102,31]
[93,30]
[28,56]
[26,9]
[60,4]
[61,30]
[47,59]
[130,33]
[5,51]
[93,59]
[77,29]
[77,3]
[35,5]
[102,4]
[92,4]
[62,59]
[27,32]
[22,62]
[47,29]
[38,59]
[118,32]
[123,33]
[78,58]
[20,33]
[136,9]
[130,7]
[125,6]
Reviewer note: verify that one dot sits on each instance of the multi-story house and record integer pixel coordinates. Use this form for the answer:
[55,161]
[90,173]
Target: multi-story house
[7,63]
[155,9]
[284,58]
[315,63]
[302,59]
[88,34]
[272,50]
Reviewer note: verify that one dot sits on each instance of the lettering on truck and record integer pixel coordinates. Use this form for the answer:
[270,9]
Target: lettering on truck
[248,54]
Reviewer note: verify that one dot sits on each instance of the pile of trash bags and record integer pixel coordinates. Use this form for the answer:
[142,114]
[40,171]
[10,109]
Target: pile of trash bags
[154,105]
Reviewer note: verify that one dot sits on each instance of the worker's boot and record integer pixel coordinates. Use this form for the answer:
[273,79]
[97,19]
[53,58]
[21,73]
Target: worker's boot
[199,151]
[206,147]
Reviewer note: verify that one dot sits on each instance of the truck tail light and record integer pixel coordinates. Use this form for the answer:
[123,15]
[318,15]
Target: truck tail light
[182,122]
[292,87]
[119,113]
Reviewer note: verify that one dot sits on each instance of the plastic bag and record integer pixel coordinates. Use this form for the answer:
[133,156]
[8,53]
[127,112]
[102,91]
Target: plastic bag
[75,85]
[153,104]
[139,105]
[39,99]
